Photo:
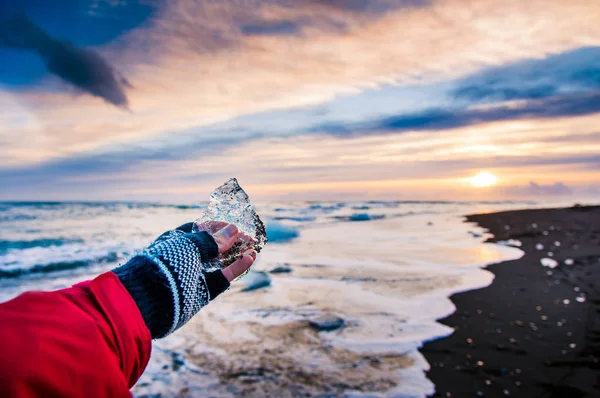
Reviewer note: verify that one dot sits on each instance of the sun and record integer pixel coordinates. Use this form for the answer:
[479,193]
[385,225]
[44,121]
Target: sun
[483,179]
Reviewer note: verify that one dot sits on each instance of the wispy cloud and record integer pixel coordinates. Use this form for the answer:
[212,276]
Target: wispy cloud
[568,72]
[442,119]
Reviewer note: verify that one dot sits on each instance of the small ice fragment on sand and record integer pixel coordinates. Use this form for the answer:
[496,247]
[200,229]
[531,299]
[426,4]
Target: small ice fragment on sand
[569,261]
[511,243]
[576,288]
[507,227]
[557,243]
[572,345]
[539,246]
[479,363]
[534,225]
[256,280]
[550,254]
[566,301]
[548,262]
[580,299]
[545,233]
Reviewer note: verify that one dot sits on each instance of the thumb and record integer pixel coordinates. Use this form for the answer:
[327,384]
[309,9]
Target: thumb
[226,237]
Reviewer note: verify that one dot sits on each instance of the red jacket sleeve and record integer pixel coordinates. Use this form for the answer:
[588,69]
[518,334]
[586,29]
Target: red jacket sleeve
[89,340]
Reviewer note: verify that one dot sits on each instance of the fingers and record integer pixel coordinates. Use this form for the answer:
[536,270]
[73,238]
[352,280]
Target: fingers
[226,237]
[212,226]
[240,266]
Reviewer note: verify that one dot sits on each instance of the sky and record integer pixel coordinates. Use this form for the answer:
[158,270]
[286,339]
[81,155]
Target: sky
[299,99]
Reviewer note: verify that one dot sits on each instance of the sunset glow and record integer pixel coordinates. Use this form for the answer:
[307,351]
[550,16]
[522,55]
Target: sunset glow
[483,179]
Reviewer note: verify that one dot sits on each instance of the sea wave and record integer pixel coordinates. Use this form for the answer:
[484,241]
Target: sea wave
[58,266]
[6,245]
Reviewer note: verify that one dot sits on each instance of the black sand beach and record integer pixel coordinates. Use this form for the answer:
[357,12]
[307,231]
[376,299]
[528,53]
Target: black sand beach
[531,333]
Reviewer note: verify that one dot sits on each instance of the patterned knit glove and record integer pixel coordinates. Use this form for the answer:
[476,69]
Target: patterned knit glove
[173,278]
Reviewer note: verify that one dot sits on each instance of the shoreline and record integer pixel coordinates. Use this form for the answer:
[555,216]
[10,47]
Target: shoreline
[535,331]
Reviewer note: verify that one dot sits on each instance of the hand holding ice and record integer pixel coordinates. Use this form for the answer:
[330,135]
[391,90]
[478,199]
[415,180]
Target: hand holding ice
[229,203]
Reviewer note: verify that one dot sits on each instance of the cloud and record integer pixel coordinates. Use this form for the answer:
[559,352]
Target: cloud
[538,190]
[191,65]
[371,6]
[568,72]
[443,119]
[83,68]
[275,28]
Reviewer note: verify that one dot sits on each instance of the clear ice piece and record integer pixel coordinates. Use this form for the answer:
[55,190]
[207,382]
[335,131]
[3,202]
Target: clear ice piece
[229,203]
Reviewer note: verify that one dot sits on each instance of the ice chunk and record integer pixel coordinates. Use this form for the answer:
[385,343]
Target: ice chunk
[231,204]
[510,242]
[277,232]
[548,262]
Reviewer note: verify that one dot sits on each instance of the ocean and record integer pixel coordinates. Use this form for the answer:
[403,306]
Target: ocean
[386,268]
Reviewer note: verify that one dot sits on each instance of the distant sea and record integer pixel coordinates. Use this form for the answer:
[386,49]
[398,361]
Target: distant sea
[385,267]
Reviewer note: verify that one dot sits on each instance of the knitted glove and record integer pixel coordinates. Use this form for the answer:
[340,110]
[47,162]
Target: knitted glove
[173,278]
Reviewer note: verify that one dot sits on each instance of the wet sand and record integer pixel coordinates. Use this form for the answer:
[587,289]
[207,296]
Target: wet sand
[535,332]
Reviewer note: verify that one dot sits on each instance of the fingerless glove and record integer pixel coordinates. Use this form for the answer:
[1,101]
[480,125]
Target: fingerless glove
[173,278]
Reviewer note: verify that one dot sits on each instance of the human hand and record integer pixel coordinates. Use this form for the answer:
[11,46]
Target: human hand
[174,277]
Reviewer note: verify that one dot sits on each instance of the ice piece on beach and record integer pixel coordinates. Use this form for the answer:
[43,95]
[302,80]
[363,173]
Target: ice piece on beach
[231,204]
[534,225]
[569,261]
[580,299]
[256,280]
[539,246]
[548,262]
[511,243]
[557,243]
[278,232]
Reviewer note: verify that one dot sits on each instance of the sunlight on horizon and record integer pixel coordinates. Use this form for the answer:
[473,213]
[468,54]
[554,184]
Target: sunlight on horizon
[483,179]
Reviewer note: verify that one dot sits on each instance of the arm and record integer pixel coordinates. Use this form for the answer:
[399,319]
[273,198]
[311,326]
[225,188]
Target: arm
[94,339]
